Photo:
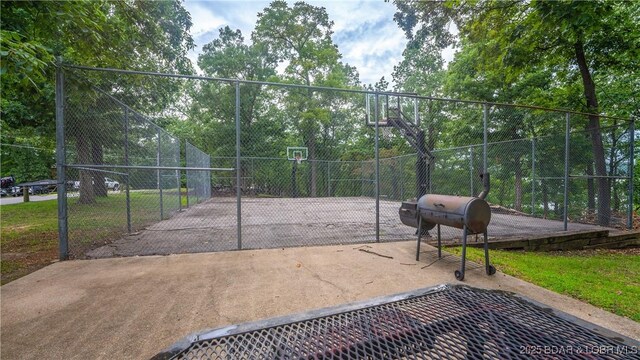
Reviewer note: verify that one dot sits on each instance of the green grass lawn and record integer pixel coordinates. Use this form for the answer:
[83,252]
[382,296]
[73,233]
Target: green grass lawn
[29,231]
[609,279]
[28,237]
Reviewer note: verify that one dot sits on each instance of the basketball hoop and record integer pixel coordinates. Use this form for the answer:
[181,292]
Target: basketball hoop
[387,132]
[297,153]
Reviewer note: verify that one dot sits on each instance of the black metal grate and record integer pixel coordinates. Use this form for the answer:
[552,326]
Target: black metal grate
[445,322]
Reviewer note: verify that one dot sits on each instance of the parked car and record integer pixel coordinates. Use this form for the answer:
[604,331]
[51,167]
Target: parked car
[7,182]
[17,191]
[6,185]
[110,184]
[39,189]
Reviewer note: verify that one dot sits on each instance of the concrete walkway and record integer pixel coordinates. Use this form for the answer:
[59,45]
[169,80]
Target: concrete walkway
[132,308]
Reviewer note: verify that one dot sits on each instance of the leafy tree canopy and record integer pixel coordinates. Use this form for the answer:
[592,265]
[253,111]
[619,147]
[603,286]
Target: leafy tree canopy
[140,35]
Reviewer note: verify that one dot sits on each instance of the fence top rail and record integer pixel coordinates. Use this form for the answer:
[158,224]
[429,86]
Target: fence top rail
[143,167]
[282,159]
[324,88]
[135,112]
[129,108]
[99,170]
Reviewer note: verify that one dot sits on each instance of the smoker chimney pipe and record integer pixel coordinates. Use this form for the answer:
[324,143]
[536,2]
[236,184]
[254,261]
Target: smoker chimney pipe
[485,186]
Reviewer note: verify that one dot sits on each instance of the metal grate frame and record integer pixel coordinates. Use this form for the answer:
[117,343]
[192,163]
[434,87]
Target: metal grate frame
[446,321]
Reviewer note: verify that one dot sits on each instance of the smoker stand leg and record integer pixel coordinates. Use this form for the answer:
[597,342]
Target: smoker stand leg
[460,273]
[439,245]
[488,267]
[419,237]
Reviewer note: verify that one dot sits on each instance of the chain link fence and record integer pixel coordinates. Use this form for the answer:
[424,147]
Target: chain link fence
[122,171]
[198,182]
[359,155]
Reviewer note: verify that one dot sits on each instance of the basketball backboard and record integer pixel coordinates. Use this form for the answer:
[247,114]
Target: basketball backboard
[297,153]
[391,105]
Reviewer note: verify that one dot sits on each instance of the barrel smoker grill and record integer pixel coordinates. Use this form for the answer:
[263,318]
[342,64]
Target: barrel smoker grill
[471,214]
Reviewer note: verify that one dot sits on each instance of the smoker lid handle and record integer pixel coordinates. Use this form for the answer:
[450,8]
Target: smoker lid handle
[438,204]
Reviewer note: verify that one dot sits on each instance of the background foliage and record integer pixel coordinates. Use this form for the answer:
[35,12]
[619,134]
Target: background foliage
[574,55]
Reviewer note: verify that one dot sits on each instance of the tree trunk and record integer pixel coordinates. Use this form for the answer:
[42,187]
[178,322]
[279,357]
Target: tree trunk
[395,181]
[312,143]
[431,143]
[616,197]
[604,192]
[99,187]
[591,188]
[613,166]
[518,186]
[314,165]
[501,193]
[87,196]
[545,200]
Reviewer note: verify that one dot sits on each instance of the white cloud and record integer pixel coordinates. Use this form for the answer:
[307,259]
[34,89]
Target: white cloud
[347,14]
[367,36]
[364,31]
[203,19]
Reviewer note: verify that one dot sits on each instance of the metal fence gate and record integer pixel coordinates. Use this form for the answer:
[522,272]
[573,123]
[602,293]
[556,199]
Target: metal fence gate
[129,187]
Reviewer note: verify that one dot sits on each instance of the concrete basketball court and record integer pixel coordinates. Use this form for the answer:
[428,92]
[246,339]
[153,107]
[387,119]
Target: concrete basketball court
[284,222]
[134,307]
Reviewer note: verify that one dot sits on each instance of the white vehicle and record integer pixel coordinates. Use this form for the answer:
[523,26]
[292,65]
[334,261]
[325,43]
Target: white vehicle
[112,184]
[109,183]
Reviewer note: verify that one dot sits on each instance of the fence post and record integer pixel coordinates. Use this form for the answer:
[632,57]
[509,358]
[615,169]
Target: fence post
[485,117]
[402,178]
[377,155]
[186,173]
[415,112]
[208,174]
[632,131]
[63,239]
[533,175]
[238,168]
[329,178]
[178,178]
[566,171]
[362,178]
[126,163]
[431,165]
[159,175]
[471,170]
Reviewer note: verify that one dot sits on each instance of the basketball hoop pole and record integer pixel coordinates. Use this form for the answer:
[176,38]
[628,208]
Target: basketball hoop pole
[294,184]
[297,152]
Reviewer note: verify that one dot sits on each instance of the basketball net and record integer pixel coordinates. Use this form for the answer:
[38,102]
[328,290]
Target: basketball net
[299,159]
[386,132]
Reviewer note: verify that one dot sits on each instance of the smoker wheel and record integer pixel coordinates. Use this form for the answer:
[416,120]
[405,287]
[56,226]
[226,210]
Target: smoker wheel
[459,275]
[491,270]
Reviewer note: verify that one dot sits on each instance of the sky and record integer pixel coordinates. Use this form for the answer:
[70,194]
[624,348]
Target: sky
[364,30]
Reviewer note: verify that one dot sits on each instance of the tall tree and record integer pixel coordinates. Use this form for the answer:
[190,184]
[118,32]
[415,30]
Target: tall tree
[421,69]
[139,35]
[584,38]
[300,37]
[228,56]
